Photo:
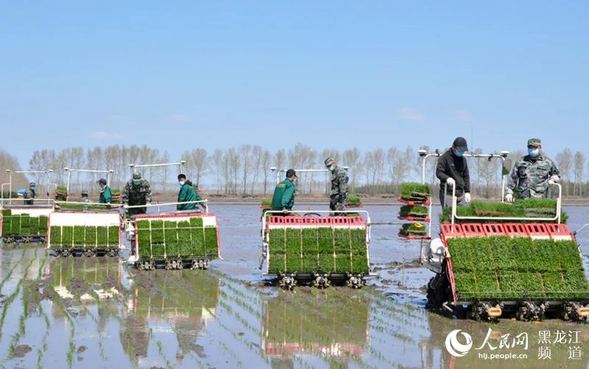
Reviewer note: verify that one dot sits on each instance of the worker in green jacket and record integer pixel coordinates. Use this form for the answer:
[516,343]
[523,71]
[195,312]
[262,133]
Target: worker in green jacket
[105,192]
[284,193]
[187,193]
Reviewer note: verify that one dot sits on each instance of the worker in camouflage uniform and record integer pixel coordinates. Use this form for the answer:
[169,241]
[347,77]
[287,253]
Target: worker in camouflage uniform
[187,193]
[137,192]
[338,196]
[284,193]
[531,176]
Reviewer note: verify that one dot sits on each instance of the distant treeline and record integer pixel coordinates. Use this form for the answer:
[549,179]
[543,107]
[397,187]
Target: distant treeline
[245,170]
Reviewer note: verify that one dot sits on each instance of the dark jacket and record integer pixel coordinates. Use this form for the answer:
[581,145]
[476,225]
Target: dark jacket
[450,165]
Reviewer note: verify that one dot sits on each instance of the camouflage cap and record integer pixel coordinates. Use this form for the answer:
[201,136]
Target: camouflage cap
[329,161]
[137,175]
[32,184]
[535,142]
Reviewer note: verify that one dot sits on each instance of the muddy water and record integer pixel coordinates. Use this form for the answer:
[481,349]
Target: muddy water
[97,313]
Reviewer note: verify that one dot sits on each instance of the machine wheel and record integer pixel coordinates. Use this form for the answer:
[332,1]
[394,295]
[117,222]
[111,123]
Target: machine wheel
[287,282]
[65,253]
[321,281]
[355,281]
[168,265]
[179,264]
[112,252]
[89,253]
[529,311]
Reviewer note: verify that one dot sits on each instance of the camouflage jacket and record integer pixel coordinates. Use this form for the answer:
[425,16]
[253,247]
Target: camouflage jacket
[529,178]
[339,183]
[137,195]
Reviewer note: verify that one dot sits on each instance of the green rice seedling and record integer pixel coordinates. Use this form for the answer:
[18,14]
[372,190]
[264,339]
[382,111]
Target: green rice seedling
[198,242]
[511,285]
[293,263]
[90,237]
[532,285]
[67,237]
[554,284]
[341,241]
[413,229]
[196,222]
[277,241]
[144,239]
[113,236]
[360,264]
[486,283]
[185,244]
[33,226]
[506,258]
[465,285]
[56,237]
[343,263]
[354,200]
[43,221]
[416,211]
[157,232]
[102,236]
[158,251]
[211,247]
[358,241]
[414,191]
[171,237]
[277,263]
[79,234]
[6,224]
[310,263]
[6,212]
[310,242]
[326,263]
[293,242]
[325,235]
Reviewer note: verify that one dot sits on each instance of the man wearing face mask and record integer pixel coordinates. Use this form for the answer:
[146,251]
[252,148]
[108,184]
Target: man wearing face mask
[137,192]
[452,169]
[187,193]
[531,176]
[338,196]
[284,193]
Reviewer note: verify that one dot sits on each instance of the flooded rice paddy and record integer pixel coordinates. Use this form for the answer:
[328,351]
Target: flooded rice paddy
[100,313]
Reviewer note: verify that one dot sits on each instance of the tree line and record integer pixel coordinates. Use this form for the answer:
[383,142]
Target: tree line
[246,169]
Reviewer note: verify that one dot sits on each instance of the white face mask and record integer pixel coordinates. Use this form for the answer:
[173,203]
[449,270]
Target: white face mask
[181,183]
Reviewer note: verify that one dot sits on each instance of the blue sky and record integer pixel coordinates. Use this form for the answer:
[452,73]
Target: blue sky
[182,74]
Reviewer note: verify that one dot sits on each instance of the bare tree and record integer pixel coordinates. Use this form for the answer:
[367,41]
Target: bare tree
[196,162]
[565,163]
[579,170]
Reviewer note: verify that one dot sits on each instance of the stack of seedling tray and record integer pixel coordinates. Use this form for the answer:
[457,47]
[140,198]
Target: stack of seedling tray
[520,268]
[176,241]
[87,233]
[325,245]
[61,193]
[23,227]
[417,210]
[527,209]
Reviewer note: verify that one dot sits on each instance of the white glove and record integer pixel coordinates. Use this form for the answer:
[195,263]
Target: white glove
[450,181]
[467,197]
[509,197]
[554,179]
